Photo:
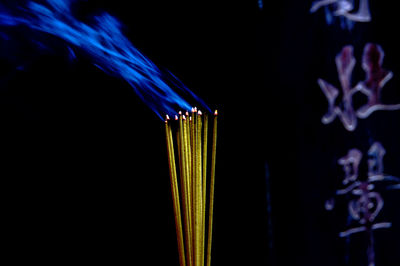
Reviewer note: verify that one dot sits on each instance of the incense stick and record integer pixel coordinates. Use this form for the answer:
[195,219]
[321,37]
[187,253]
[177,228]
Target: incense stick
[205,139]
[175,192]
[188,157]
[192,141]
[199,191]
[212,186]
[184,187]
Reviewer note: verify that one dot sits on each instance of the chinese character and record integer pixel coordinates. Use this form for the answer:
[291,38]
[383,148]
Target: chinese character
[376,78]
[344,8]
[368,203]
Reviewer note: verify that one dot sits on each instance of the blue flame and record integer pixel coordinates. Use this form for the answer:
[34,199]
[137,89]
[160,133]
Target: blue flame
[108,49]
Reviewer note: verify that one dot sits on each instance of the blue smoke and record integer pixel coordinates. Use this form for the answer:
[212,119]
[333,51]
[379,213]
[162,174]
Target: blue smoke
[108,48]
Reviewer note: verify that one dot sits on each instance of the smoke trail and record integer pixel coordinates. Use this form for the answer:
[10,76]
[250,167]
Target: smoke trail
[108,49]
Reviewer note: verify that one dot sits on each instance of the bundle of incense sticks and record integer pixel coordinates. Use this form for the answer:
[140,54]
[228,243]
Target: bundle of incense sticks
[190,194]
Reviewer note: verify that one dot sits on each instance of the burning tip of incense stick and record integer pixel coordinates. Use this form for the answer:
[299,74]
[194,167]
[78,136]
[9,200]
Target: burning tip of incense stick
[180,112]
[184,117]
[216,112]
[199,112]
[167,117]
[176,117]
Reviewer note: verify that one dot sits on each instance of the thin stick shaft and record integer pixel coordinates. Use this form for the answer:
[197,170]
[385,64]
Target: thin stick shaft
[186,133]
[199,192]
[175,193]
[188,139]
[212,185]
[184,187]
[193,134]
[205,139]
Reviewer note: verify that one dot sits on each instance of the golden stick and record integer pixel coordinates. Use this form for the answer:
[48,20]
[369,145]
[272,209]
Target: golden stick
[204,185]
[199,190]
[187,130]
[194,182]
[196,194]
[212,185]
[175,192]
[184,187]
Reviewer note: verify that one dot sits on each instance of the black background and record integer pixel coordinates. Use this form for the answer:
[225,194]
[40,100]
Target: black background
[84,160]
